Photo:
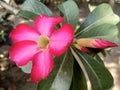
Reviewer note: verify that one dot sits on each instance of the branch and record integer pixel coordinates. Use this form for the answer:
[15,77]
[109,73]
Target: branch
[8,7]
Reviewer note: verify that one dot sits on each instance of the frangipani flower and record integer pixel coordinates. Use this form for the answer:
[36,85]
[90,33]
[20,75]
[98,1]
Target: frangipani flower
[39,44]
[93,43]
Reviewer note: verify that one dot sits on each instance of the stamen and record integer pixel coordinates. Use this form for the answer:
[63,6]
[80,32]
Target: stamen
[43,42]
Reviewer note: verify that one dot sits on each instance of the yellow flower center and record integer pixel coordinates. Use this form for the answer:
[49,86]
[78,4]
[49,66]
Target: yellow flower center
[43,42]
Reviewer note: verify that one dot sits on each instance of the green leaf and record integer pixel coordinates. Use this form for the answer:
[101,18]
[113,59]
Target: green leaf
[79,80]
[33,8]
[27,68]
[70,11]
[61,76]
[103,18]
[99,76]
[28,14]
[104,31]
[99,59]
[101,14]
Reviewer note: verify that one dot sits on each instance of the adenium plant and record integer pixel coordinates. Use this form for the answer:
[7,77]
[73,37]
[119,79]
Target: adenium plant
[62,51]
[39,44]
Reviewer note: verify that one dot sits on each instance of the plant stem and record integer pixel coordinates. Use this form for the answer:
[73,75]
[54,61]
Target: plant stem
[8,7]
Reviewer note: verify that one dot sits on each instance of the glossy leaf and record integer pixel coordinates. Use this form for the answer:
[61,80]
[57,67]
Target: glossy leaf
[70,11]
[99,59]
[61,76]
[104,31]
[28,14]
[96,23]
[27,68]
[79,81]
[101,14]
[99,76]
[33,8]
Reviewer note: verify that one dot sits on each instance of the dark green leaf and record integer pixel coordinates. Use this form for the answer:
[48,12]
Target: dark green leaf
[33,8]
[101,14]
[99,76]
[79,80]
[70,11]
[101,23]
[104,31]
[28,14]
[98,58]
[61,76]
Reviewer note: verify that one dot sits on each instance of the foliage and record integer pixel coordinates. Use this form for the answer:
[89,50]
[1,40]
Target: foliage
[71,69]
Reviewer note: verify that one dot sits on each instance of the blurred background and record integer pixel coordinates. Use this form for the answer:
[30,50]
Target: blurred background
[12,77]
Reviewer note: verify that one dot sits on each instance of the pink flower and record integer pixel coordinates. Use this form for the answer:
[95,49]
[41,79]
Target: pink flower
[84,49]
[94,43]
[39,44]
[99,43]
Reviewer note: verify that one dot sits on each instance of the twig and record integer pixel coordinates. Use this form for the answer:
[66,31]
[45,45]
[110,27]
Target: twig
[8,7]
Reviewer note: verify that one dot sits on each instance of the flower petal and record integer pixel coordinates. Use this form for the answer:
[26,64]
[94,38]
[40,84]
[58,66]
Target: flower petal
[45,25]
[85,42]
[99,43]
[42,66]
[23,32]
[22,52]
[84,49]
[61,39]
